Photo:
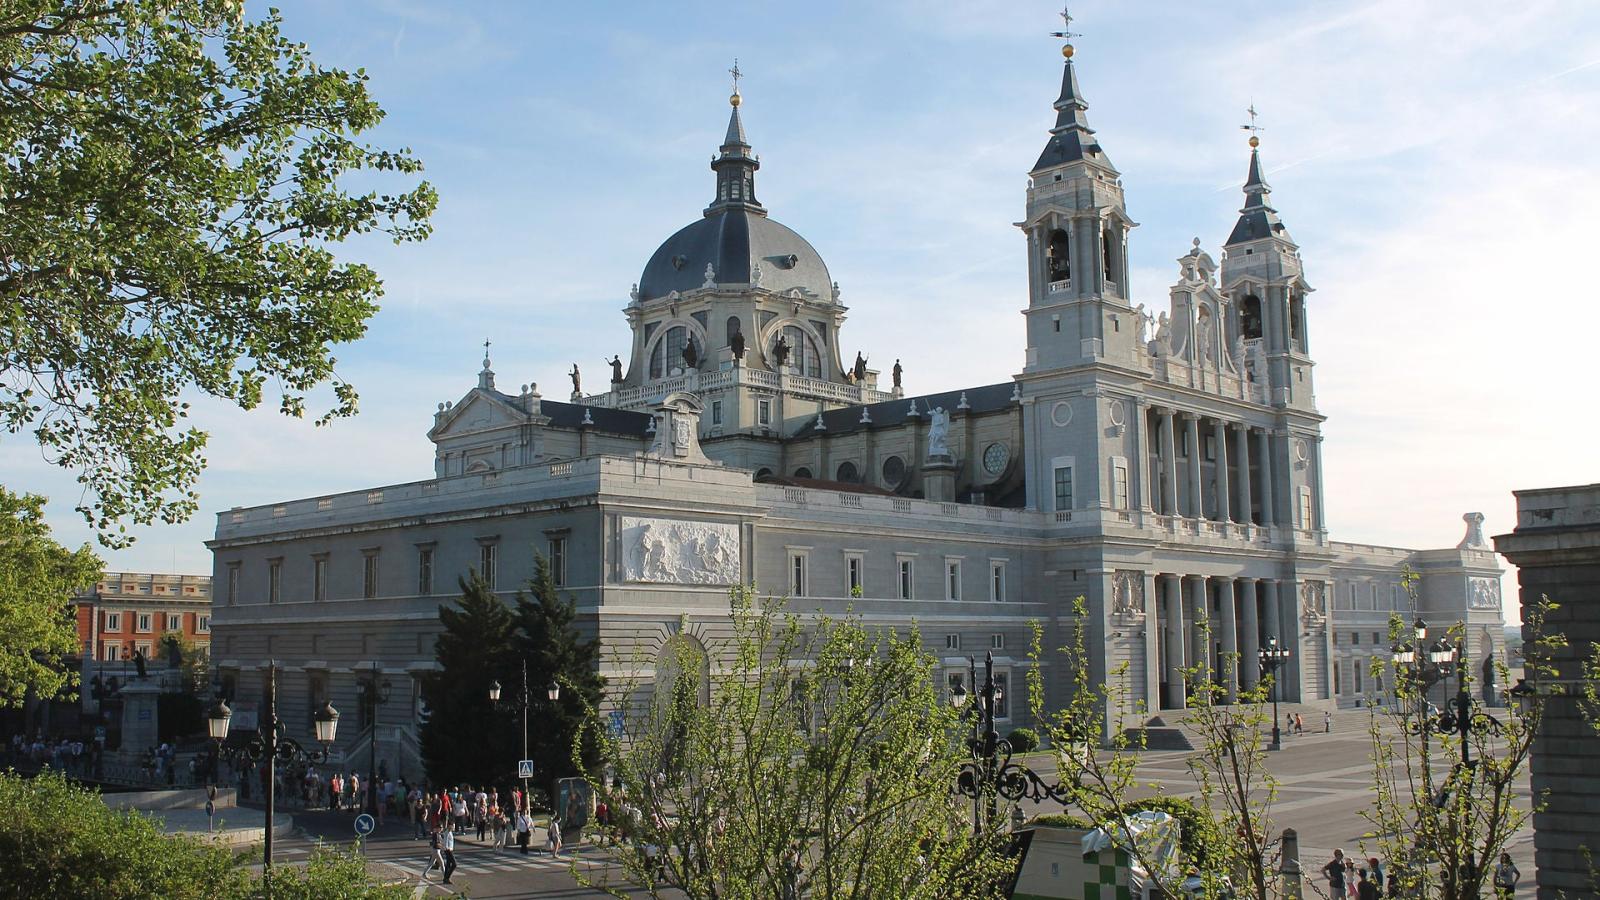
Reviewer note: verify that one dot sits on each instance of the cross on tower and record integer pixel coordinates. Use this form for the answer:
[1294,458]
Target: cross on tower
[1066,33]
[736,74]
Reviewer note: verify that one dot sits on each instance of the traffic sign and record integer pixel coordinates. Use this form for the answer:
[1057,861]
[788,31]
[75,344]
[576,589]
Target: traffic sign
[364,825]
[525,768]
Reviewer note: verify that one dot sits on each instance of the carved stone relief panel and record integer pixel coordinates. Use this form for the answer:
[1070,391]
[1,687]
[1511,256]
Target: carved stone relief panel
[1483,593]
[669,551]
[1127,594]
[1313,603]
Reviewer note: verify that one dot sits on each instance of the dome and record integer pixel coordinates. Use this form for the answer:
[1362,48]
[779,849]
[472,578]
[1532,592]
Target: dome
[734,241]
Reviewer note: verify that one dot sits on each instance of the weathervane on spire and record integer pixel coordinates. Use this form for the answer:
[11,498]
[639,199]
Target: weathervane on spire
[1252,127]
[1066,33]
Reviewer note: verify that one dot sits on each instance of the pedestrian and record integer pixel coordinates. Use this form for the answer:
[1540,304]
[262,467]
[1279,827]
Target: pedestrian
[447,846]
[553,836]
[1288,723]
[522,831]
[1327,722]
[1365,890]
[1375,870]
[1505,878]
[435,857]
[1299,724]
[1334,872]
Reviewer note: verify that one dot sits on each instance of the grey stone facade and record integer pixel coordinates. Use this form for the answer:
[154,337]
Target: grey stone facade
[1556,548]
[1167,468]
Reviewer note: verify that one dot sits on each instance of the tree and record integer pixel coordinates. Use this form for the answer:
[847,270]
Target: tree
[1224,835]
[194,662]
[37,579]
[466,738]
[820,762]
[173,183]
[1443,836]
[61,840]
[547,637]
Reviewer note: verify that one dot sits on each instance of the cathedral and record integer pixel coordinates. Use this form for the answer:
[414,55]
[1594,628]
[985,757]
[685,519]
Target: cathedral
[1161,461]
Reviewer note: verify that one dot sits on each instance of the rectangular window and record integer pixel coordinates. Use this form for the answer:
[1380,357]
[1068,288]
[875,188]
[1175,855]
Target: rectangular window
[424,571]
[369,575]
[274,579]
[1355,670]
[202,624]
[144,622]
[852,575]
[997,642]
[558,561]
[1338,669]
[111,651]
[1063,488]
[1355,637]
[233,583]
[175,622]
[1002,703]
[486,563]
[113,621]
[1211,448]
[1377,637]
[952,642]
[716,412]
[1306,520]
[764,412]
[142,648]
[1119,483]
[319,577]
[997,581]
[952,579]
[907,572]
[797,574]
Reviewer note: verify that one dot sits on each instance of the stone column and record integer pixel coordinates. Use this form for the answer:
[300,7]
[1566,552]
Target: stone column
[1249,632]
[1169,466]
[1295,669]
[1243,443]
[1269,509]
[1229,676]
[1219,435]
[1556,549]
[1175,634]
[1316,489]
[1272,614]
[1191,439]
[1199,605]
[1138,473]
[1152,641]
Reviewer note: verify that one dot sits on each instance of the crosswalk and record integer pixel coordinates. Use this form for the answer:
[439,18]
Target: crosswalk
[512,862]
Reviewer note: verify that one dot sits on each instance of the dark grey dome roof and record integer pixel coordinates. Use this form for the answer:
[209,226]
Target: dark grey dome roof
[733,241]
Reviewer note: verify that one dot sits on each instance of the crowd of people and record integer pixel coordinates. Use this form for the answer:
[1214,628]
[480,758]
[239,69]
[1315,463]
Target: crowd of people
[497,818]
[1349,880]
[73,756]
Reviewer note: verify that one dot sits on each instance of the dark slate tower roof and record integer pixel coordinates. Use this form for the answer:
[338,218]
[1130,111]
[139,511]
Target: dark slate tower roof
[734,236]
[1257,219]
[1071,139]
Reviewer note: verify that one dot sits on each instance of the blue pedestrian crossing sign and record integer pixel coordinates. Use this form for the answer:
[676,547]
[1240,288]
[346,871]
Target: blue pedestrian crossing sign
[525,768]
[365,824]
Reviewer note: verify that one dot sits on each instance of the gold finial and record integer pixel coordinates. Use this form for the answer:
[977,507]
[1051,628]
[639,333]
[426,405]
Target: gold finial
[734,99]
[1252,127]
[1066,33]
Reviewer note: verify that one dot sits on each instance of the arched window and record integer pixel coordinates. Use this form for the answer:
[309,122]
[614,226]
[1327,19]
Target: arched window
[848,472]
[803,354]
[734,327]
[802,472]
[1108,255]
[668,352]
[1059,256]
[1250,317]
[763,475]
[1297,322]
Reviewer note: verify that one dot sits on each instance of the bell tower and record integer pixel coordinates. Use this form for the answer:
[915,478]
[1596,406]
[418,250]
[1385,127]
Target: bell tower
[1077,231]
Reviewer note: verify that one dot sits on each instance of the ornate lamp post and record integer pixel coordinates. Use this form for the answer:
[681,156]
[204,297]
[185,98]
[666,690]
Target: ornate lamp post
[552,692]
[374,692]
[991,774]
[271,744]
[1272,657]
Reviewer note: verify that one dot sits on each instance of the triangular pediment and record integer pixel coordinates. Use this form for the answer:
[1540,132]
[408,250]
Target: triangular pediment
[480,410]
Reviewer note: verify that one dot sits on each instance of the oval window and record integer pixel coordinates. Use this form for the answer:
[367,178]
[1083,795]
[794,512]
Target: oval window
[894,471]
[995,457]
[848,472]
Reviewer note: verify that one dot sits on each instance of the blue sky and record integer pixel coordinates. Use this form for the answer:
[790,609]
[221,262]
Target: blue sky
[1435,161]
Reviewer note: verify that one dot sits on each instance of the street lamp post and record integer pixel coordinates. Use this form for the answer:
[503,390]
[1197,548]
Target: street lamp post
[373,693]
[990,774]
[553,692]
[1272,657]
[271,744]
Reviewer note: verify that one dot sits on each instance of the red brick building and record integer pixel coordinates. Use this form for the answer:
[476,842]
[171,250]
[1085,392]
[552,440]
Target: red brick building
[129,611]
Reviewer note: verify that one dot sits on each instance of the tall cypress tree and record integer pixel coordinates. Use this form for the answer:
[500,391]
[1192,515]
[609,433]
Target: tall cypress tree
[468,738]
[547,636]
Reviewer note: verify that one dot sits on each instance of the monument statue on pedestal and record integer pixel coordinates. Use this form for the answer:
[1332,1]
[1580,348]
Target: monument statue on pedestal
[577,383]
[897,371]
[780,351]
[859,370]
[736,344]
[616,369]
[938,434]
